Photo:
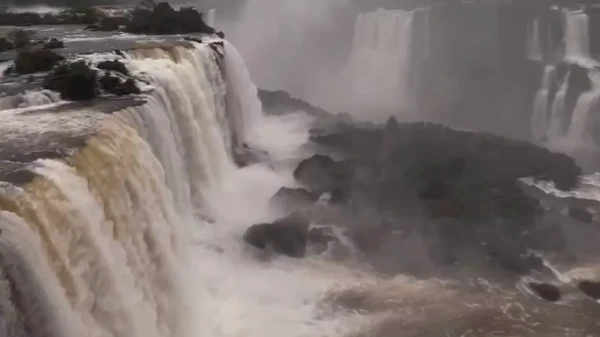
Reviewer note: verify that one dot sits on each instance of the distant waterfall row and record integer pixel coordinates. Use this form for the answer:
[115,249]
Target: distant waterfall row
[568,101]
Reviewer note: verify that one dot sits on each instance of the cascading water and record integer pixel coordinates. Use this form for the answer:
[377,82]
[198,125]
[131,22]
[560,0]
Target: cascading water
[555,125]
[534,46]
[584,118]
[138,232]
[210,17]
[377,72]
[577,42]
[568,120]
[28,99]
[539,120]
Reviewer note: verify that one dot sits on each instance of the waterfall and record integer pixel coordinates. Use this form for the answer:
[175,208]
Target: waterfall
[377,71]
[106,224]
[244,109]
[539,120]
[584,119]
[136,231]
[577,41]
[184,120]
[555,125]
[534,46]
[211,17]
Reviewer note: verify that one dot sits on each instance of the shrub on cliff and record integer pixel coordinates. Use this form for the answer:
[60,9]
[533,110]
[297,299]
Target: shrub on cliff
[74,81]
[161,18]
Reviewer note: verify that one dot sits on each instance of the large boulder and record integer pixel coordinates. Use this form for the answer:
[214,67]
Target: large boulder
[287,236]
[114,65]
[54,44]
[280,102]
[75,81]
[32,61]
[546,291]
[5,45]
[245,155]
[580,213]
[322,174]
[590,288]
[117,86]
[293,199]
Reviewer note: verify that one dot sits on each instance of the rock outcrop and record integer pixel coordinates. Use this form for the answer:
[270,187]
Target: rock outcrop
[458,191]
[75,81]
[32,61]
[287,236]
[546,291]
[5,45]
[114,65]
[293,199]
[54,44]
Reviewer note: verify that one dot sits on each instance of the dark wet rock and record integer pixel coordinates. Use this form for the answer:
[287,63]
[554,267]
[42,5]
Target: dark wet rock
[193,39]
[321,174]
[245,155]
[114,65]
[292,199]
[116,86]
[217,47]
[580,213]
[281,102]
[319,238]
[75,81]
[321,235]
[459,190]
[54,44]
[33,61]
[590,288]
[164,19]
[9,70]
[546,291]
[5,45]
[287,236]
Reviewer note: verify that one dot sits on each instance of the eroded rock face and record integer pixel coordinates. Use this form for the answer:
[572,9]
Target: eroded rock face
[287,236]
